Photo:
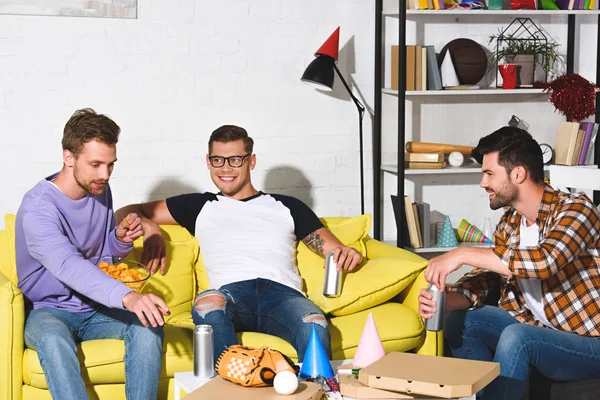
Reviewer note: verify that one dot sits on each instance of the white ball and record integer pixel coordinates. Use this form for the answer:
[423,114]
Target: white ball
[285,382]
[456,159]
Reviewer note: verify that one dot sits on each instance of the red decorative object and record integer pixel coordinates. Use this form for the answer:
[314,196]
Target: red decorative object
[509,75]
[572,95]
[330,47]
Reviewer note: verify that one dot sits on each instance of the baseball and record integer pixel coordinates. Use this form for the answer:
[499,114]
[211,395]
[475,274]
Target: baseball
[456,159]
[285,382]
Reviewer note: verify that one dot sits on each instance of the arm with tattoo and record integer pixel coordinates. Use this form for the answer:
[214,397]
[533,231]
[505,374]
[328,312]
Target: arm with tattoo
[315,242]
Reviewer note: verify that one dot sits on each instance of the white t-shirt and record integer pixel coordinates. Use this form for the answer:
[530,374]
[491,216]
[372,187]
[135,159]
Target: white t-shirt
[246,239]
[532,288]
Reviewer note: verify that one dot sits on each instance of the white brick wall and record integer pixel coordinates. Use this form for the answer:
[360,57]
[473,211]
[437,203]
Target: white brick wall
[172,76]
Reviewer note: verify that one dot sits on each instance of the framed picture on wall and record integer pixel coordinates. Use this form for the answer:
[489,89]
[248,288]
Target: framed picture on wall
[71,8]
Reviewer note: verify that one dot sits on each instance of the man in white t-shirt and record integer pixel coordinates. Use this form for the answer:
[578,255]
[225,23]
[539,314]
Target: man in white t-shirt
[248,240]
[545,261]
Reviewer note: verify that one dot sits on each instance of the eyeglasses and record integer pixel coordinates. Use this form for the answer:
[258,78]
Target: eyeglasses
[234,161]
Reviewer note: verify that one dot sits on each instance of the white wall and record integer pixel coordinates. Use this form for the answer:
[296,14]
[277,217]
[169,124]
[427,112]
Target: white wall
[172,76]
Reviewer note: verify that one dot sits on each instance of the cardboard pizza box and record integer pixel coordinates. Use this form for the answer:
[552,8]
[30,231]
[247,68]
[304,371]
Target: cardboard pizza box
[351,387]
[429,375]
[218,388]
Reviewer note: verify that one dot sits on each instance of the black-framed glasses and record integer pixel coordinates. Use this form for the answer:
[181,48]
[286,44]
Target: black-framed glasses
[234,161]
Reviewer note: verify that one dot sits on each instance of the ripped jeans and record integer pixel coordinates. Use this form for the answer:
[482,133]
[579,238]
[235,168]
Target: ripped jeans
[260,305]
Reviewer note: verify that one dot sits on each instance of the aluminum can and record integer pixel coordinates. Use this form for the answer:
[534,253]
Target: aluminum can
[204,361]
[436,322]
[332,285]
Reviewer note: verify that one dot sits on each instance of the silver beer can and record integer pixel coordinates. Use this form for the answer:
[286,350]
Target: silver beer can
[204,361]
[436,322]
[332,285]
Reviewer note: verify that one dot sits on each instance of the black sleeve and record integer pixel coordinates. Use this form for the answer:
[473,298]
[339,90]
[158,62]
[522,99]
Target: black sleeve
[305,220]
[185,208]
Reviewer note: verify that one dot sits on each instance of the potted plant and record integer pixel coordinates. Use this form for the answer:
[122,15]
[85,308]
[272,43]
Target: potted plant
[527,51]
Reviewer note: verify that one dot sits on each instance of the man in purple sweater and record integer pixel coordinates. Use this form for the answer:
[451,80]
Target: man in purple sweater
[64,225]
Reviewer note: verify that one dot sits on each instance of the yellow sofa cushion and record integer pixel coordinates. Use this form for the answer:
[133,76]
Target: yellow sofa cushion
[372,283]
[178,286]
[11,267]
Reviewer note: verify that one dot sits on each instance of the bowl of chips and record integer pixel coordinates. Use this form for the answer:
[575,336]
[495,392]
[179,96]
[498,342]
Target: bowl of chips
[130,272]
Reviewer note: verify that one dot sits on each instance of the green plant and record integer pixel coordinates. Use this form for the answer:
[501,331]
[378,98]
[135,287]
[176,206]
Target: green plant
[545,54]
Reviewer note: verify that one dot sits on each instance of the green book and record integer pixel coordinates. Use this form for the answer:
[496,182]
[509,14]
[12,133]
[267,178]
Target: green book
[586,5]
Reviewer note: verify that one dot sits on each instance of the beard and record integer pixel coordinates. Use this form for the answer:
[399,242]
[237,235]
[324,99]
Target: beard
[505,196]
[88,185]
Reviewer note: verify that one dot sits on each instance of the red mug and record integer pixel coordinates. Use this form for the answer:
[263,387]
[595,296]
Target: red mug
[509,75]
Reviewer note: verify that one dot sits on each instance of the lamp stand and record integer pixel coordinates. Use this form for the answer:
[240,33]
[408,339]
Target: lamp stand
[361,113]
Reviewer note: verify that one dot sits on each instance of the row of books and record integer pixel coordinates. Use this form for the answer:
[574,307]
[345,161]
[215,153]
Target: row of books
[574,143]
[425,4]
[414,218]
[575,4]
[422,71]
[424,160]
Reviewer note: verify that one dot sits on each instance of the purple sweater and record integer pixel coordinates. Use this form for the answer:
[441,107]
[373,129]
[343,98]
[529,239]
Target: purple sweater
[55,236]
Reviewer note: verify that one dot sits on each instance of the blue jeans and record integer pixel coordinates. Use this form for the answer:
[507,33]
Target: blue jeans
[492,334]
[55,334]
[260,305]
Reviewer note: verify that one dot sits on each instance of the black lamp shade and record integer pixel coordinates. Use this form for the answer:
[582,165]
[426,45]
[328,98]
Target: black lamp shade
[320,72]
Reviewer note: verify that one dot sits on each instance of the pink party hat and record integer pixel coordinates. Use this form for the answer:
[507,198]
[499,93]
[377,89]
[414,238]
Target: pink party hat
[370,348]
[315,361]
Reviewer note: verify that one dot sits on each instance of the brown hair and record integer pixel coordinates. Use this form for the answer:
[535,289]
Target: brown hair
[86,125]
[515,147]
[231,133]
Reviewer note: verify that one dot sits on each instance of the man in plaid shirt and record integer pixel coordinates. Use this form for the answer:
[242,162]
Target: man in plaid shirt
[545,261]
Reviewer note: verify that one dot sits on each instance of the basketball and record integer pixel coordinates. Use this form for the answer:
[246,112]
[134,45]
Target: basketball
[469,59]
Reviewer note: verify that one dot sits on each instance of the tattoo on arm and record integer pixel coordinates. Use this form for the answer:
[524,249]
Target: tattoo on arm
[315,242]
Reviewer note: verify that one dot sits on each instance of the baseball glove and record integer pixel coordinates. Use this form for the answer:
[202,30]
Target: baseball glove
[249,366]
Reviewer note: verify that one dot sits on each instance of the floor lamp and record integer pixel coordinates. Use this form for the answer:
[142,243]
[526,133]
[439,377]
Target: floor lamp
[320,73]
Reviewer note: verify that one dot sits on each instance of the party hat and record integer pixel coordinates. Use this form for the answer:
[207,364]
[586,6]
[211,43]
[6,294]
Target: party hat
[449,77]
[315,361]
[448,237]
[330,47]
[470,233]
[370,348]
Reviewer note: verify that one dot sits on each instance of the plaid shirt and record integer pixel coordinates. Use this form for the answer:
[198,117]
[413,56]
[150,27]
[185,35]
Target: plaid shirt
[567,260]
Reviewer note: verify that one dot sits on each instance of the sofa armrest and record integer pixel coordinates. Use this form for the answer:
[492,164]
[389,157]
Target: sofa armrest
[378,249]
[434,341]
[12,322]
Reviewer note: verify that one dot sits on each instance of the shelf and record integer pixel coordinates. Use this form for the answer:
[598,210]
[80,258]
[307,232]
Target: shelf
[510,13]
[469,169]
[436,249]
[472,92]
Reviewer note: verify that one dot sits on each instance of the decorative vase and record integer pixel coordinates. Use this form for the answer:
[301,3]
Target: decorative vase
[526,70]
[509,75]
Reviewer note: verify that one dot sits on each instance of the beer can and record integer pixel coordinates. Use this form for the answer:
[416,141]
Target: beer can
[332,285]
[436,322]
[204,361]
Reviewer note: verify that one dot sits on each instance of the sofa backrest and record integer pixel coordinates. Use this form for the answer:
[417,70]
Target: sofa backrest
[7,249]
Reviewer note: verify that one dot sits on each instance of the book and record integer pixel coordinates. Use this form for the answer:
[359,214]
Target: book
[411,57]
[424,157]
[588,127]
[434,78]
[400,217]
[419,68]
[423,68]
[574,160]
[411,222]
[425,165]
[395,60]
[589,158]
[425,221]
[418,223]
[462,87]
[564,144]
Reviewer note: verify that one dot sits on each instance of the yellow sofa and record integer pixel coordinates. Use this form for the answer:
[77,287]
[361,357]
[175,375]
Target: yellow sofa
[386,285]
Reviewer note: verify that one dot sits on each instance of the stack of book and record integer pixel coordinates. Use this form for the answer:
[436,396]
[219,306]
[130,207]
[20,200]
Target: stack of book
[574,143]
[425,4]
[424,160]
[422,70]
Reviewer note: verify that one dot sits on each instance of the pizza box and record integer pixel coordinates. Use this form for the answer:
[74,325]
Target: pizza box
[218,388]
[443,377]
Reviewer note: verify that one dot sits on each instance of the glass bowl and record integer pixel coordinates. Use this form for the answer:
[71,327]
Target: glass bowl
[132,273]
